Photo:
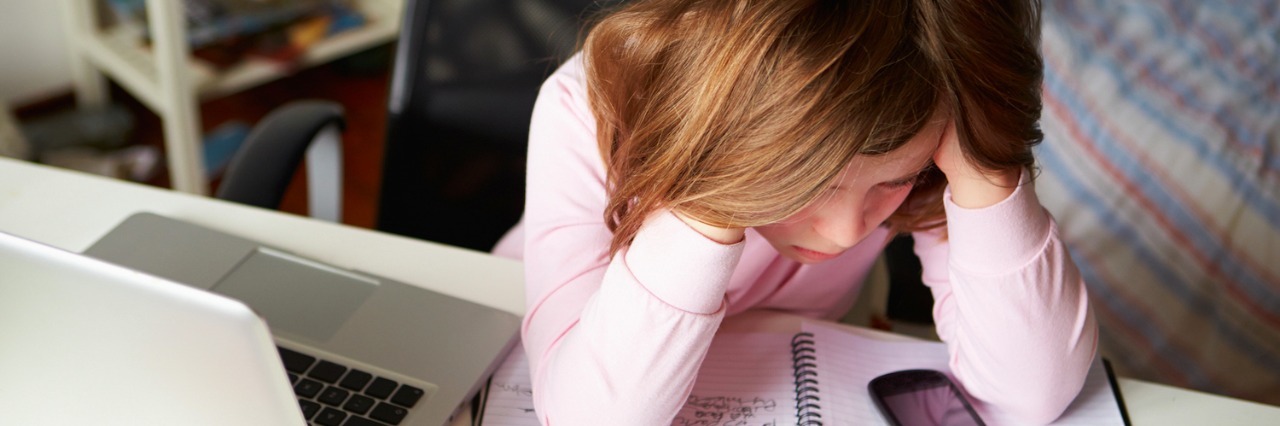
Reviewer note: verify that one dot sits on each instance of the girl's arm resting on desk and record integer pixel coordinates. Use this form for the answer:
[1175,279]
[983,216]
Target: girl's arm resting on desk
[609,340]
[634,352]
[1011,305]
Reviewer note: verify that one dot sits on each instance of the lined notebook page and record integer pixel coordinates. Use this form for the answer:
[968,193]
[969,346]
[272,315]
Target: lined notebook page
[510,398]
[745,380]
[847,362]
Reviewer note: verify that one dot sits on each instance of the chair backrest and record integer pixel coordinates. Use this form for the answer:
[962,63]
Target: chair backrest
[465,78]
[261,169]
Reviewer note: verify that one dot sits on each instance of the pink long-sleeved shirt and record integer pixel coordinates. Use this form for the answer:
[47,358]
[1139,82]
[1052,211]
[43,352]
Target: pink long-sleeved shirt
[622,339]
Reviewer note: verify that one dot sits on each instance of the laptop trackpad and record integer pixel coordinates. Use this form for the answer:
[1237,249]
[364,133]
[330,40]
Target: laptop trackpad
[296,295]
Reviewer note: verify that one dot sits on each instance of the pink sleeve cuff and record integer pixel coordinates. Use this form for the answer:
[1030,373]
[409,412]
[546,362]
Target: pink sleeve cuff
[999,238]
[680,266]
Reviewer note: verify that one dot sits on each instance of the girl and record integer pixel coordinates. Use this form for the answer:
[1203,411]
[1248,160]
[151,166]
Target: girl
[701,158]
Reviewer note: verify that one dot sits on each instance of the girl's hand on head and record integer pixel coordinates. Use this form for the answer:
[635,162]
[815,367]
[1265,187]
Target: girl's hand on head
[971,186]
[714,233]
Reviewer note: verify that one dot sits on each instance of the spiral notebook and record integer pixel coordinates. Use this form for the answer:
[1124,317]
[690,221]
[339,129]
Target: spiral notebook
[815,377]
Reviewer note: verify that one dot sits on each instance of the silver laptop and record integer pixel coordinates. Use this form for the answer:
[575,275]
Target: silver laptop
[87,342]
[358,349]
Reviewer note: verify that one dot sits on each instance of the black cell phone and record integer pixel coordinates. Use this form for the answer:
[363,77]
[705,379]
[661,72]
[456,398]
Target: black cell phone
[921,397]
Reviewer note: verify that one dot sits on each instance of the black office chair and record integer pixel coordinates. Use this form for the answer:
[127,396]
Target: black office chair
[262,168]
[465,77]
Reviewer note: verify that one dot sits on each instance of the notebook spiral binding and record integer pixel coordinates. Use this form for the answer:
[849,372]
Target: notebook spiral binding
[805,367]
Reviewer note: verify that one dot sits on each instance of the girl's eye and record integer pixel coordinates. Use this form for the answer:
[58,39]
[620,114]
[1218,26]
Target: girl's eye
[901,183]
[906,182]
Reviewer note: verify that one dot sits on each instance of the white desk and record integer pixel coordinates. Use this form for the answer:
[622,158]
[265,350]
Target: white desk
[71,210]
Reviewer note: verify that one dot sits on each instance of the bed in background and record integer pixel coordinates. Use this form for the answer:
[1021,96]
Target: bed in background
[1161,164]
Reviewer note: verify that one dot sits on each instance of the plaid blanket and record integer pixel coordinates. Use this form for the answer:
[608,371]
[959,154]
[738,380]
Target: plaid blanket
[1161,164]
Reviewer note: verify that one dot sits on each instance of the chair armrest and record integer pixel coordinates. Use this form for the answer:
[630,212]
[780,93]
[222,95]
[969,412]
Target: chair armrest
[261,169]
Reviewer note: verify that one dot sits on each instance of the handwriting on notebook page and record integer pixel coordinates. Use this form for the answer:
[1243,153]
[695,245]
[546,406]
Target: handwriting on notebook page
[726,411]
[510,399]
[744,380]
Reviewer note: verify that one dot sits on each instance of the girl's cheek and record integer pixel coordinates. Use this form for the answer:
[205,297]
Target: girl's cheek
[799,217]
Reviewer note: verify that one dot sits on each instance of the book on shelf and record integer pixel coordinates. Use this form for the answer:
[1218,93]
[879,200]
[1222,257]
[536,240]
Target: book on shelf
[211,22]
[817,376]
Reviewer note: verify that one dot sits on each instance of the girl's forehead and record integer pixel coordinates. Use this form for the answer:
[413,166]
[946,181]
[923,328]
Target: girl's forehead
[907,160]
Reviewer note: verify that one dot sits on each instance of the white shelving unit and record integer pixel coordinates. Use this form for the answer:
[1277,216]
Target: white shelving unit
[171,83]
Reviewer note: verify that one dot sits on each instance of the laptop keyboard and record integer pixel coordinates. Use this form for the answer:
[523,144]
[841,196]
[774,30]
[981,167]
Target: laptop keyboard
[332,394]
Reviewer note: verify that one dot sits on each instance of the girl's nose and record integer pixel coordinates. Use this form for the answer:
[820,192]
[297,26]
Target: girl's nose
[841,221]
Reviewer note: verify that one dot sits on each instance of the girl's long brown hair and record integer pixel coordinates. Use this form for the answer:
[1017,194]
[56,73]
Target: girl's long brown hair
[738,113]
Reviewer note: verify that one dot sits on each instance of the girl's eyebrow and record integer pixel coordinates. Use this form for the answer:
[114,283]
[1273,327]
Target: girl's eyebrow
[927,165]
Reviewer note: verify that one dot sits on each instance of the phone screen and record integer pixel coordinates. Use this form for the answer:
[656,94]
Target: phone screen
[921,397]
